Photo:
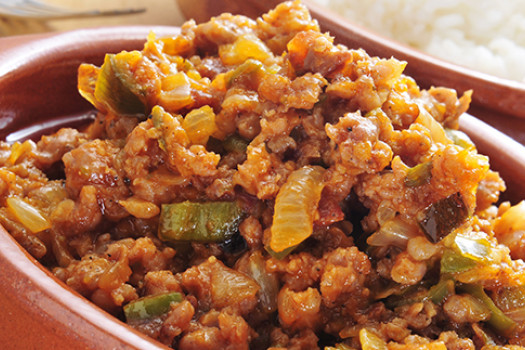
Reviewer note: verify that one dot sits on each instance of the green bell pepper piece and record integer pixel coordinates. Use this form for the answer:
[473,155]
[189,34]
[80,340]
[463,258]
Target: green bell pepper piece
[199,222]
[151,306]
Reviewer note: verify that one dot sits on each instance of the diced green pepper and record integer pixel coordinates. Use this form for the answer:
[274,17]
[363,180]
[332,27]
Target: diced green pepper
[279,255]
[459,138]
[453,262]
[407,296]
[249,67]
[235,144]
[419,174]
[199,222]
[498,320]
[442,217]
[151,306]
[441,291]
[116,89]
[465,253]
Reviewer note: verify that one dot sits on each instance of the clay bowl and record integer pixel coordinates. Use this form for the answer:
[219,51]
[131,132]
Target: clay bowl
[38,94]
[38,88]
[499,102]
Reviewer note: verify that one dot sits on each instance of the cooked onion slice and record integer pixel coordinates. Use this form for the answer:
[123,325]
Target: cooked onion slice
[27,215]
[295,208]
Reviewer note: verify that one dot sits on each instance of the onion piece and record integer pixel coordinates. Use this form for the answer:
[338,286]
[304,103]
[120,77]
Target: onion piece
[511,220]
[394,232]
[140,208]
[371,341]
[511,300]
[245,47]
[269,282]
[27,215]
[295,208]
[460,138]
[176,91]
[437,132]
[199,125]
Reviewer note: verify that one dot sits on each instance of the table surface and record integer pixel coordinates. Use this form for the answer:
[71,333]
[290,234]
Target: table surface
[158,12]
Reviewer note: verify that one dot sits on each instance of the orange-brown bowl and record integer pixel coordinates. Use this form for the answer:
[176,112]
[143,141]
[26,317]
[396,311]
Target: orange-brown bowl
[38,89]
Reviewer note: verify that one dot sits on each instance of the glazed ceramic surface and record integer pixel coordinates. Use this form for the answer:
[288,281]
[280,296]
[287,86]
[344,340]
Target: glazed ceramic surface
[38,89]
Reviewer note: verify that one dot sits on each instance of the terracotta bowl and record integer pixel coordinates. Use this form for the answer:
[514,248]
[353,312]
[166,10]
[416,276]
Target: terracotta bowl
[38,94]
[38,90]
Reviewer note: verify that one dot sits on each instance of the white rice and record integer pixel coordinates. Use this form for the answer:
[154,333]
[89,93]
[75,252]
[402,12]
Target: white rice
[485,35]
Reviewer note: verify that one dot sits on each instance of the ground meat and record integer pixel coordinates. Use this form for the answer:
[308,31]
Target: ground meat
[141,152]
[301,93]
[396,330]
[177,321]
[76,217]
[407,270]
[465,308]
[51,149]
[220,330]
[344,275]
[454,342]
[299,271]
[315,52]
[162,281]
[240,110]
[223,29]
[299,309]
[278,26]
[251,231]
[217,286]
[269,173]
[93,164]
[358,144]
[488,190]
[454,107]
[244,111]
[418,315]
